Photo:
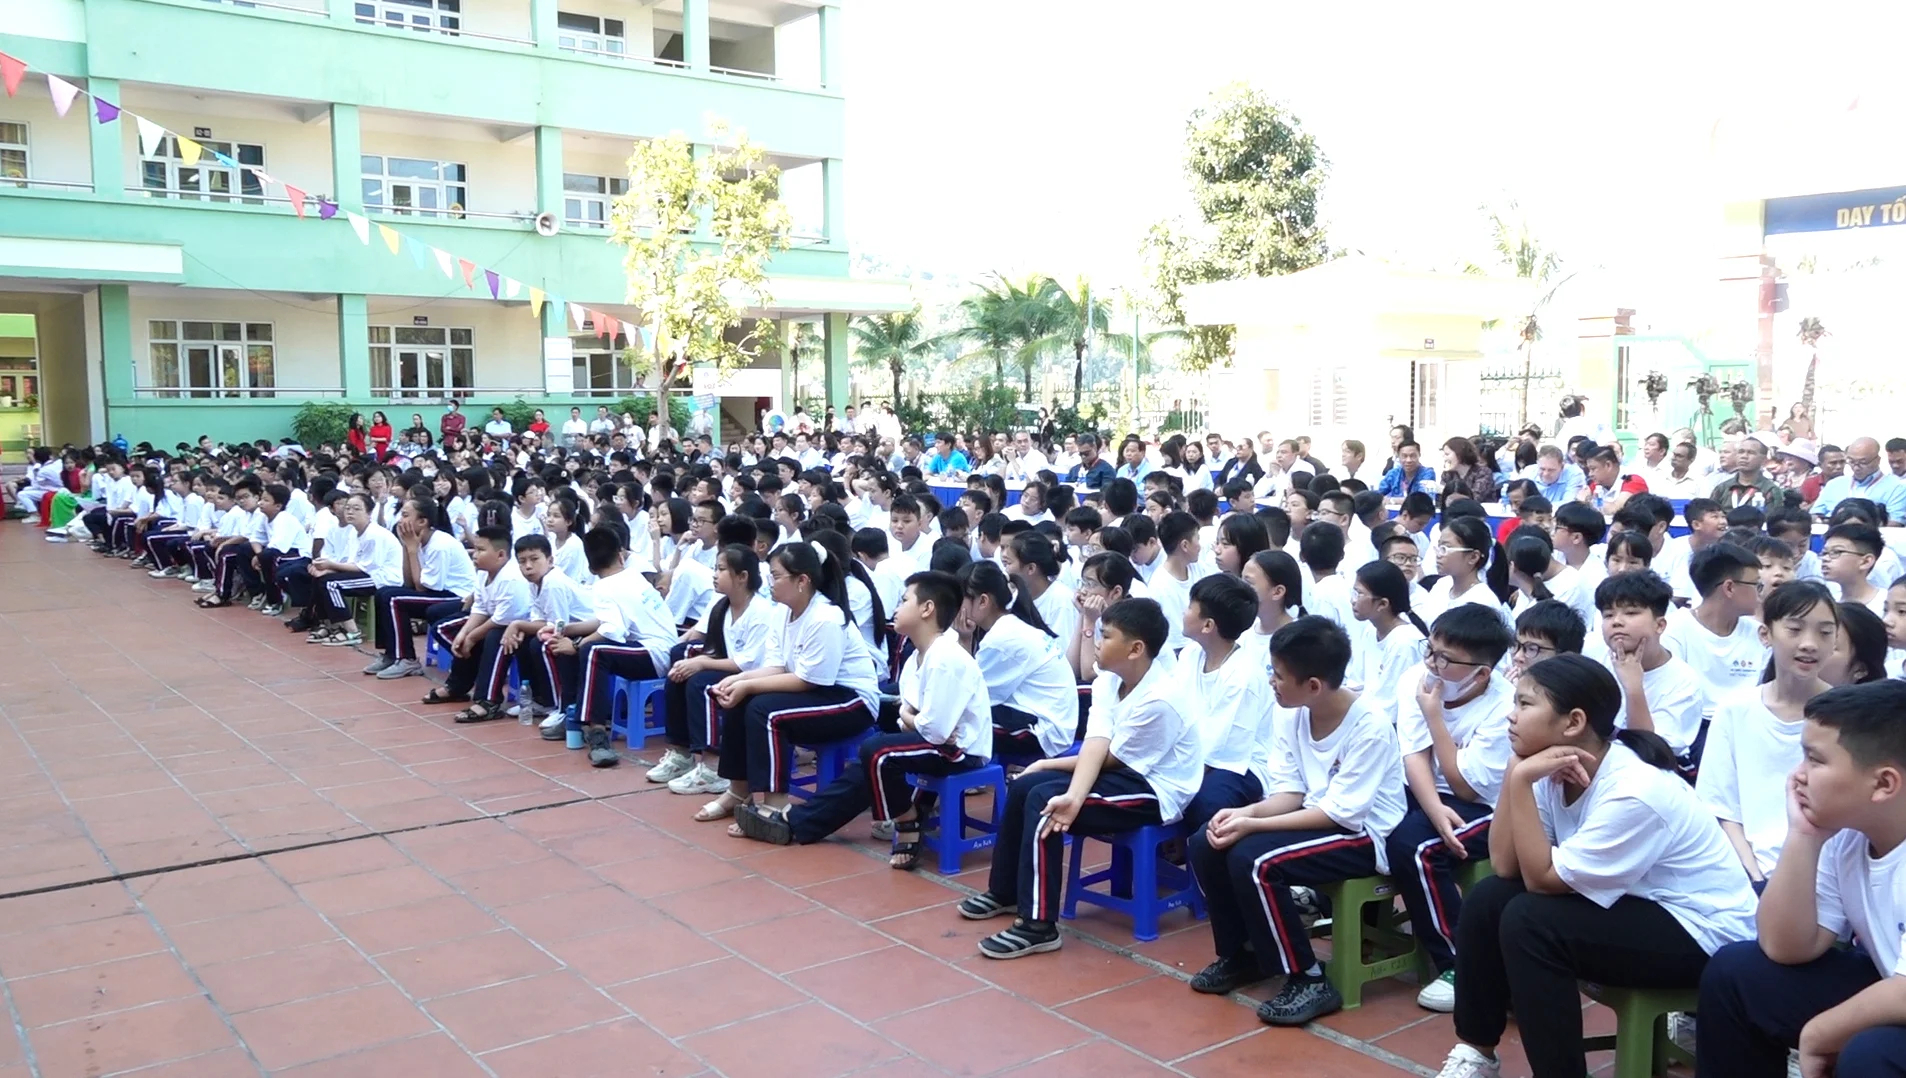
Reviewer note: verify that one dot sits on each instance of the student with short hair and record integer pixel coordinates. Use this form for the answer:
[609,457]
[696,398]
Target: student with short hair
[634,633]
[1848,553]
[1778,562]
[1453,731]
[1546,629]
[1032,696]
[555,601]
[1171,584]
[1578,530]
[1140,764]
[1660,693]
[1720,637]
[1105,579]
[1824,973]
[436,569]
[1222,687]
[477,662]
[286,547]
[1334,794]
[1607,870]
[375,560]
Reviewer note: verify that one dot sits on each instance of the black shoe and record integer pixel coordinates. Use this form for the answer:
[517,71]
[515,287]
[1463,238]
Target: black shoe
[300,624]
[1227,975]
[601,752]
[1300,1001]
[1022,939]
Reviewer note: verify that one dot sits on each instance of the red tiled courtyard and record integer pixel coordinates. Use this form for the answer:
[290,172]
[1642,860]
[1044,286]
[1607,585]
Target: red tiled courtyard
[225,852]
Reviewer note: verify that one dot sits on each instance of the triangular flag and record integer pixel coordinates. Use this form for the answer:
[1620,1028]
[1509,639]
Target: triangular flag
[418,253]
[189,151]
[643,335]
[263,176]
[63,93]
[445,262]
[577,313]
[106,110]
[327,209]
[360,226]
[511,286]
[628,333]
[12,70]
[297,200]
[393,239]
[469,269]
[151,137]
[536,302]
[490,278]
[222,159]
[606,327]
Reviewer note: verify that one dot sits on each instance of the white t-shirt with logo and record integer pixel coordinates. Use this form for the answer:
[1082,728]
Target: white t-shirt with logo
[1750,752]
[1676,701]
[1480,729]
[1354,775]
[1725,664]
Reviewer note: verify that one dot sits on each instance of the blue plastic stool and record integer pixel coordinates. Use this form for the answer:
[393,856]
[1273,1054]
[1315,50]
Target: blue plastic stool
[951,841]
[637,698]
[435,654]
[1136,874]
[830,759]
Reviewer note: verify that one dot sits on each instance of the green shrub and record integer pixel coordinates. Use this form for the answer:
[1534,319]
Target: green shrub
[991,408]
[321,423]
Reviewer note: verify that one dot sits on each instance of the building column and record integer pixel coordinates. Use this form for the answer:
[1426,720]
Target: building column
[115,352]
[549,171]
[839,384]
[834,201]
[109,152]
[784,332]
[557,382]
[354,346]
[542,24]
[695,34]
[347,162]
[832,47]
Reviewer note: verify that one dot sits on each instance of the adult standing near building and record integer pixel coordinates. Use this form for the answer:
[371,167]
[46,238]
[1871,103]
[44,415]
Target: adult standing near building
[1864,478]
[575,428]
[1749,485]
[498,427]
[452,422]
[660,431]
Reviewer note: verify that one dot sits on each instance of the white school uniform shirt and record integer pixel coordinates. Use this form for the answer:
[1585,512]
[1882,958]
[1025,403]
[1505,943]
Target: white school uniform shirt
[559,600]
[1863,896]
[1877,604]
[691,592]
[1725,664]
[286,535]
[1572,588]
[1639,830]
[1173,596]
[521,526]
[819,649]
[1746,761]
[381,555]
[1231,706]
[233,522]
[1024,669]
[118,493]
[300,506]
[944,685]
[752,639]
[142,502]
[1480,729]
[169,504]
[258,527]
[1057,611]
[504,597]
[1443,596]
[443,565]
[631,611]
[463,513]
[1354,776]
[384,513]
[571,559]
[890,583]
[860,603]
[1386,672]
[1151,734]
[194,513]
[1676,701]
[1672,564]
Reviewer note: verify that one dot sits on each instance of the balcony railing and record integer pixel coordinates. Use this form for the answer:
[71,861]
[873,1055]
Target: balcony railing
[229,393]
[30,184]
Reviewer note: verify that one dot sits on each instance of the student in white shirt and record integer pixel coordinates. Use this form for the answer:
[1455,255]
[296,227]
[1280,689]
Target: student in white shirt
[286,549]
[232,552]
[1222,687]
[1538,575]
[1031,694]
[634,634]
[1334,795]
[1453,730]
[1839,880]
[559,524]
[1720,637]
[1140,764]
[1394,636]
[1035,559]
[1171,584]
[1473,569]
[944,728]
[910,548]
[1860,653]
[822,686]
[1320,550]
[1848,553]
[499,596]
[1754,744]
[1105,579]
[1607,870]
[438,577]
[1660,693]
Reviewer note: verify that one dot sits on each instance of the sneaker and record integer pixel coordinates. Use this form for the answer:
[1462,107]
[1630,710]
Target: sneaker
[882,830]
[1681,1030]
[1311,906]
[402,668]
[1022,939]
[1300,1001]
[203,586]
[271,610]
[675,763]
[701,779]
[379,664]
[56,537]
[189,578]
[986,905]
[553,727]
[601,753]
[1466,1062]
[161,574]
[1440,994]
[257,603]
[1227,975]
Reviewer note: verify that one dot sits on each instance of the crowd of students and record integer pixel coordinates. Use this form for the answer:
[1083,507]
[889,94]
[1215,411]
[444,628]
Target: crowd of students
[1683,757]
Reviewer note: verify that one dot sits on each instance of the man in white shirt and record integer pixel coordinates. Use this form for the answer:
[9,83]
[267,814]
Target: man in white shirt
[660,431]
[498,427]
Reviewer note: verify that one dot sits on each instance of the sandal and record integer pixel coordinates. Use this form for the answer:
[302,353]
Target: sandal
[764,824]
[986,905]
[481,711]
[719,809]
[439,696]
[211,602]
[906,851]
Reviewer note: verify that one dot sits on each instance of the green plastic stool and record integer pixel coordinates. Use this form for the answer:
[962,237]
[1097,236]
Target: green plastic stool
[1640,1041]
[362,609]
[1394,949]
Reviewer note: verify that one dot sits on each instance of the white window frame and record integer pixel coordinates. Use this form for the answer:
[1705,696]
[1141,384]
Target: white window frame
[241,186]
[605,37]
[381,186]
[590,355]
[579,200]
[389,377]
[423,16]
[24,148]
[228,349]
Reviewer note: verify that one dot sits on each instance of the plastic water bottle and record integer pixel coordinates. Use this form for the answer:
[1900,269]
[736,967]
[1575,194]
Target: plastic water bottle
[120,443]
[572,727]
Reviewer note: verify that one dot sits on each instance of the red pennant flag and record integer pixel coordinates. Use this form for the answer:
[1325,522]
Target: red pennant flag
[297,200]
[605,326]
[469,271]
[12,70]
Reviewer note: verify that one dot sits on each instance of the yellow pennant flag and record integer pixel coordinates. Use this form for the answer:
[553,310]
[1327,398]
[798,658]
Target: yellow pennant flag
[392,239]
[189,151]
[536,302]
[663,346]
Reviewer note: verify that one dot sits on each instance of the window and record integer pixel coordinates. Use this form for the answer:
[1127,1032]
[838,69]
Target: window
[420,15]
[212,359]
[600,371]
[590,35]
[586,198]
[165,175]
[1424,410]
[13,151]
[408,185]
[422,361]
[1624,388]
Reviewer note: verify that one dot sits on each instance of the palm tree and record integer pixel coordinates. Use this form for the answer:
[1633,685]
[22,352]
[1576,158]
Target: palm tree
[1811,330]
[890,340]
[1517,246]
[1077,316]
[803,339]
[991,321]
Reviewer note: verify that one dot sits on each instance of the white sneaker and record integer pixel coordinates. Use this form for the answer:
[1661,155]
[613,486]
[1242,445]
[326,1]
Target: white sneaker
[1439,995]
[675,763]
[551,721]
[402,668]
[1465,1062]
[883,830]
[190,578]
[380,664]
[202,586]
[55,537]
[161,574]
[699,780]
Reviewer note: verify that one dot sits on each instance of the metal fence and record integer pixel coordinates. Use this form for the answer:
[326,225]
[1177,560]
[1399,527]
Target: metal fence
[1502,408]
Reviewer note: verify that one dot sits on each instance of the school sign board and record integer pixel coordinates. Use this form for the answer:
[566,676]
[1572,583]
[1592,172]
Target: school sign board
[1874,208]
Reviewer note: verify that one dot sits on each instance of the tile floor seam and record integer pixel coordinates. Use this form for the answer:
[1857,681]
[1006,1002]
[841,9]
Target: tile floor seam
[224,1016]
[19,1027]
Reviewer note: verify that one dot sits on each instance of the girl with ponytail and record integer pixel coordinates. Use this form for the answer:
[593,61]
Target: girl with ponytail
[1637,887]
[1035,558]
[1381,597]
[1473,569]
[1279,584]
[1028,683]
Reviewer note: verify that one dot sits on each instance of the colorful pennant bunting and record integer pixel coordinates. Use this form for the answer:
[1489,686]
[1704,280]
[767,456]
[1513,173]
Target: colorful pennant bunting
[151,137]
[12,70]
[297,199]
[469,268]
[359,225]
[63,93]
[108,112]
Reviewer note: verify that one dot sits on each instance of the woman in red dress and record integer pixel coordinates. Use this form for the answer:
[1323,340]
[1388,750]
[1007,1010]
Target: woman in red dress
[354,433]
[380,435]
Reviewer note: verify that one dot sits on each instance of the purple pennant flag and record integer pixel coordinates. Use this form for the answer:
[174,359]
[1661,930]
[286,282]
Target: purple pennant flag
[108,112]
[327,209]
[490,277]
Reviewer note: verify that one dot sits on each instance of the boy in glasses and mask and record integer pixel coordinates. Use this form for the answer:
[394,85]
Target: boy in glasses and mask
[1454,735]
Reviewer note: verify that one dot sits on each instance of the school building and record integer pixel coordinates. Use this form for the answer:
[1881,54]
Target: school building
[165,284]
